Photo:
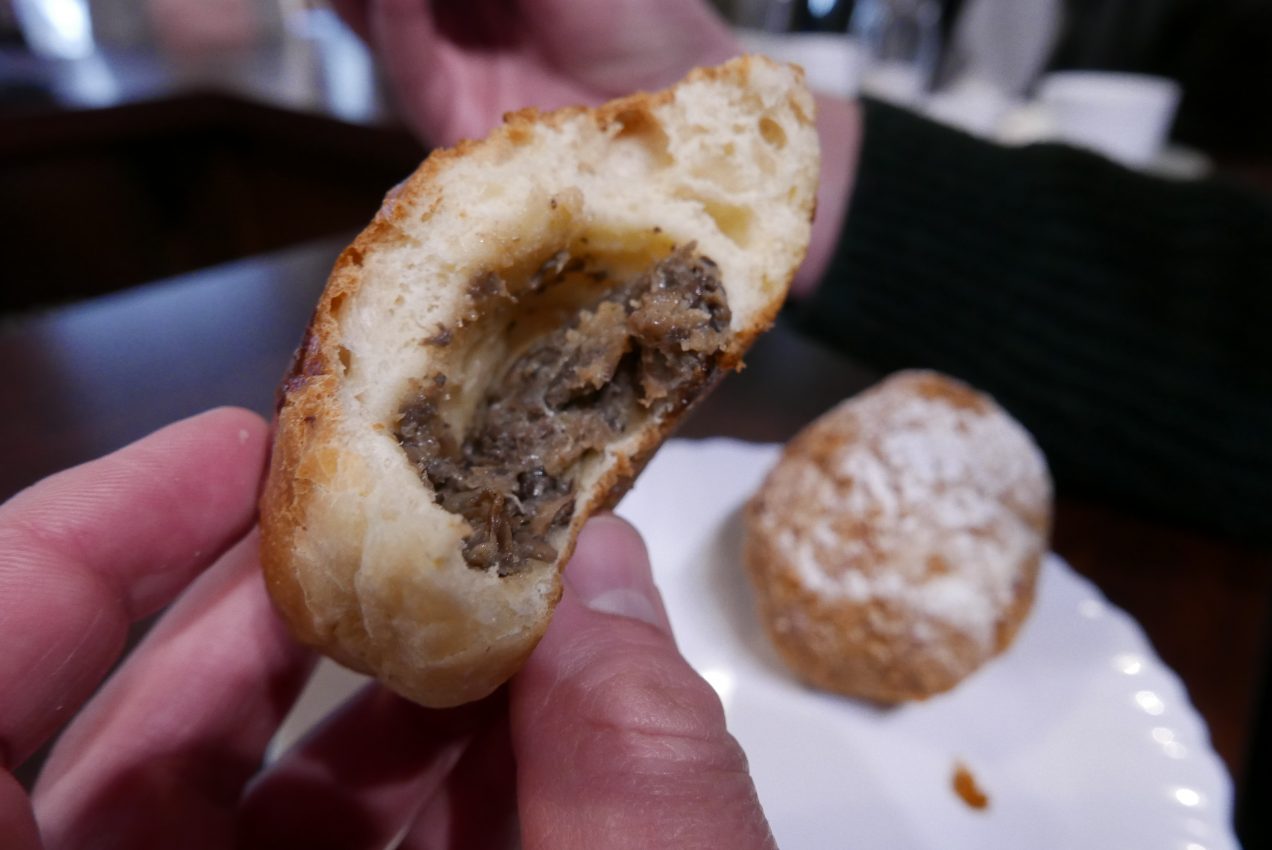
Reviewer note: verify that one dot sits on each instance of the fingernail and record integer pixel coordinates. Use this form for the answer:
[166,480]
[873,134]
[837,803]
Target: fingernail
[610,572]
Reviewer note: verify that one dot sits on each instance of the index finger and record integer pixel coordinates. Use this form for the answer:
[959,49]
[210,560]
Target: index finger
[87,551]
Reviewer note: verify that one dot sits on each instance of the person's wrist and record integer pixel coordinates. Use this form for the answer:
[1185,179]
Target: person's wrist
[839,131]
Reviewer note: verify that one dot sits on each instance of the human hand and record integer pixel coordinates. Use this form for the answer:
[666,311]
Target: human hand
[160,753]
[456,68]
[606,739]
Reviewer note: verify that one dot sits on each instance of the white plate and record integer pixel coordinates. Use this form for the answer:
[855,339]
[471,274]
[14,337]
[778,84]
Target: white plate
[1079,735]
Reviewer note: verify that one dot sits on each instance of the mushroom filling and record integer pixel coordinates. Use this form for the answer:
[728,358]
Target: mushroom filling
[644,348]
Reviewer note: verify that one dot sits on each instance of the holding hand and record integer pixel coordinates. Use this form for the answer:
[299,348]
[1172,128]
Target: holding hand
[607,738]
[458,67]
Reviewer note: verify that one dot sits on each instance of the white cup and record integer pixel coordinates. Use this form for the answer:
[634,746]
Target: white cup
[1124,116]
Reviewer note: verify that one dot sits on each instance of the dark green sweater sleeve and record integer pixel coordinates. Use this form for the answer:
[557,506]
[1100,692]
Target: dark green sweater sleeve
[1123,319]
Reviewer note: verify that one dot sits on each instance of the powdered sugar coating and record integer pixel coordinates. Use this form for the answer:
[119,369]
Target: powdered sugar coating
[921,505]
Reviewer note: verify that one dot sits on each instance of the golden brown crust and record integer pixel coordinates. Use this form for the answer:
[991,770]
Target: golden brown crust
[895,547]
[357,555]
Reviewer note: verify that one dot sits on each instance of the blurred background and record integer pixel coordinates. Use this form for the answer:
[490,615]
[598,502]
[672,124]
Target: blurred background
[144,139]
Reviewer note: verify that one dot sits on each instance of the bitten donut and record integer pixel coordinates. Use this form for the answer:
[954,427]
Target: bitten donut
[895,546]
[500,352]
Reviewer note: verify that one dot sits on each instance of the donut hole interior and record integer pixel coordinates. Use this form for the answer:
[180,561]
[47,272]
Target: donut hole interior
[591,346]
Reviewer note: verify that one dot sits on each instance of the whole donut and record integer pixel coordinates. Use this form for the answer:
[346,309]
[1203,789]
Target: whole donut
[895,546]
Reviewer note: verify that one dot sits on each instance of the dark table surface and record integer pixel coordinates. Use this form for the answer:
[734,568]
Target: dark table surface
[86,379]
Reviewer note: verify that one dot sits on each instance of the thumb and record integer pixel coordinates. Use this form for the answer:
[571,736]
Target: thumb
[619,743]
